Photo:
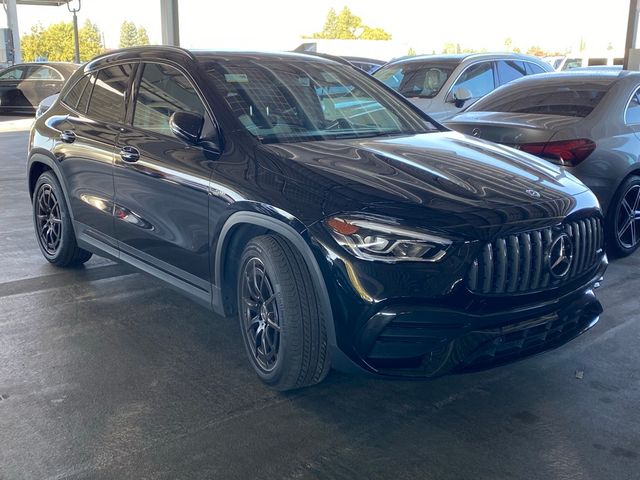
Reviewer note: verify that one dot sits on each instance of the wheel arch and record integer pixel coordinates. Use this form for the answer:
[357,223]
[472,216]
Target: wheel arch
[38,164]
[239,228]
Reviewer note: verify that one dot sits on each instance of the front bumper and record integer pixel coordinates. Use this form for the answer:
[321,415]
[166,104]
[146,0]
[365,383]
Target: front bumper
[422,341]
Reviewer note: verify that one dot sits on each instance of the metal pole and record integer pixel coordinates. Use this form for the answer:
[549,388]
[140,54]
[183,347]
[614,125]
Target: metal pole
[632,31]
[169,18]
[12,23]
[76,40]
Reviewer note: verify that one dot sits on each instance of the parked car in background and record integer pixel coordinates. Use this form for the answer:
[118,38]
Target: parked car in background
[555,61]
[368,65]
[586,122]
[24,86]
[370,239]
[444,85]
[573,62]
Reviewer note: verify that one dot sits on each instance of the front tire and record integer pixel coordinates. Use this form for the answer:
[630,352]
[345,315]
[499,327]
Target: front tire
[623,219]
[280,316]
[52,223]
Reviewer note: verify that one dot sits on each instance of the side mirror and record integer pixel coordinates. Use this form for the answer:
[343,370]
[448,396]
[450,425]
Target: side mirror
[187,126]
[460,96]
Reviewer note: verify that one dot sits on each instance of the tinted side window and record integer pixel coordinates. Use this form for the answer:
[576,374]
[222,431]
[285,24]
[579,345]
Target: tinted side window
[15,73]
[83,102]
[478,79]
[509,70]
[632,114]
[44,73]
[73,95]
[533,69]
[107,99]
[163,91]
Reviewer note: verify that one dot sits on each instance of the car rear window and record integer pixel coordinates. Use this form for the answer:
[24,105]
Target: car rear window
[558,99]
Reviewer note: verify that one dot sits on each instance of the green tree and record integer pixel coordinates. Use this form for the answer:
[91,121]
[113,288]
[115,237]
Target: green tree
[142,38]
[55,43]
[508,44]
[411,52]
[128,34]
[537,51]
[374,34]
[132,36]
[450,47]
[90,41]
[347,26]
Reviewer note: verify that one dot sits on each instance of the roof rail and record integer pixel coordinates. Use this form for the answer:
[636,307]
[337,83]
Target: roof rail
[143,48]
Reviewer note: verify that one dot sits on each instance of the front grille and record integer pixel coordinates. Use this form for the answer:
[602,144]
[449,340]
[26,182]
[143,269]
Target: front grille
[518,263]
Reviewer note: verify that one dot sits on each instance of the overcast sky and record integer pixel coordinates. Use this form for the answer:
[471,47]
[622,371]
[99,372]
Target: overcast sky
[424,25]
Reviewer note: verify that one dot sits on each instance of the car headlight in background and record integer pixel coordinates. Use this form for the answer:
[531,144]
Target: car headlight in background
[372,239]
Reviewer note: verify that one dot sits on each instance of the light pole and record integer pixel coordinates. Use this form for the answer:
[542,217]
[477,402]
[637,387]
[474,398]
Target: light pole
[75,30]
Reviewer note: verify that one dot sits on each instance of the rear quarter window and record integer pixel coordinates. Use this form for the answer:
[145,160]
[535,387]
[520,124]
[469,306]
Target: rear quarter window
[108,95]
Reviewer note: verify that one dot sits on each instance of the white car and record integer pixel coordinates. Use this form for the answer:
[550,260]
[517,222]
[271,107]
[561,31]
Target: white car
[443,85]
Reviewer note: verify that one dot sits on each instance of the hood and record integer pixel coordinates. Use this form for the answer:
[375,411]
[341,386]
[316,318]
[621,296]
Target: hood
[444,180]
[511,128]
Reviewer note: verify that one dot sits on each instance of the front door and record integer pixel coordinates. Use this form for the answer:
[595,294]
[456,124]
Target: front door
[161,181]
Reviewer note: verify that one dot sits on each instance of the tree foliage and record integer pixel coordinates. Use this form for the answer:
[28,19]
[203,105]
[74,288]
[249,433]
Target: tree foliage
[132,35]
[347,26]
[55,43]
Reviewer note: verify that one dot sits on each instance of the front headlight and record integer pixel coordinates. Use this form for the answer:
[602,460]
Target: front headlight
[372,239]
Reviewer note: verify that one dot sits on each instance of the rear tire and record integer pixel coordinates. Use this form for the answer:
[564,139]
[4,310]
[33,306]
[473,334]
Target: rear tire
[53,226]
[623,219]
[282,324]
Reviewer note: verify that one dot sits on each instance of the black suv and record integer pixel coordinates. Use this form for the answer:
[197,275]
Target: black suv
[335,220]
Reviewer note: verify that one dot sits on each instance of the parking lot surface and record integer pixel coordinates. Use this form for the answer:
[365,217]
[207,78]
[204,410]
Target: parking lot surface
[106,373]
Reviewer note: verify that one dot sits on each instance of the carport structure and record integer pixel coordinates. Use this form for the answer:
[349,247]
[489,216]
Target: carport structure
[171,31]
[168,14]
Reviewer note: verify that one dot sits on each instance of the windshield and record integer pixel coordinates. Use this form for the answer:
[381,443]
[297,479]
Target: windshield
[550,99]
[295,101]
[422,80]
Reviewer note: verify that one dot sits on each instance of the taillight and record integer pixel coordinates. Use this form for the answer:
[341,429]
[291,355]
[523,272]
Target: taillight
[566,152]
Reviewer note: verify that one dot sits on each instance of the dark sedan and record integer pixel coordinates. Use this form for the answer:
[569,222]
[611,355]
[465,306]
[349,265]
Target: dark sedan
[24,86]
[321,209]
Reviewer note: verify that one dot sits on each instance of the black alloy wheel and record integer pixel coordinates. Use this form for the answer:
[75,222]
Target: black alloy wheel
[259,316]
[623,219]
[628,218]
[53,225]
[48,219]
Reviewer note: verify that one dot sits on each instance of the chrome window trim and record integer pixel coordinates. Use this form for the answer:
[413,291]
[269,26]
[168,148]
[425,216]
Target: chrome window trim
[634,93]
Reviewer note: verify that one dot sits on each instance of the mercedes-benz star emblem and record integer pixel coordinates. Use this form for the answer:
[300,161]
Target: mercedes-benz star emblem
[532,193]
[476,132]
[560,256]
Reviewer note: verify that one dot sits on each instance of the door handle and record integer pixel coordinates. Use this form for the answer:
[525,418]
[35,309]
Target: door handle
[68,136]
[130,154]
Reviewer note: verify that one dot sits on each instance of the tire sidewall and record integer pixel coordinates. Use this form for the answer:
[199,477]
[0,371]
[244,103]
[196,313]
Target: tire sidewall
[254,250]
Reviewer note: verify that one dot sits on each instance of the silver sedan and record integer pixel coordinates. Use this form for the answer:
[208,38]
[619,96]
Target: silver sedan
[588,122]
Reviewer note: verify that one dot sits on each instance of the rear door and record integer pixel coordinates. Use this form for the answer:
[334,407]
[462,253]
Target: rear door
[161,181]
[11,80]
[86,148]
[41,82]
